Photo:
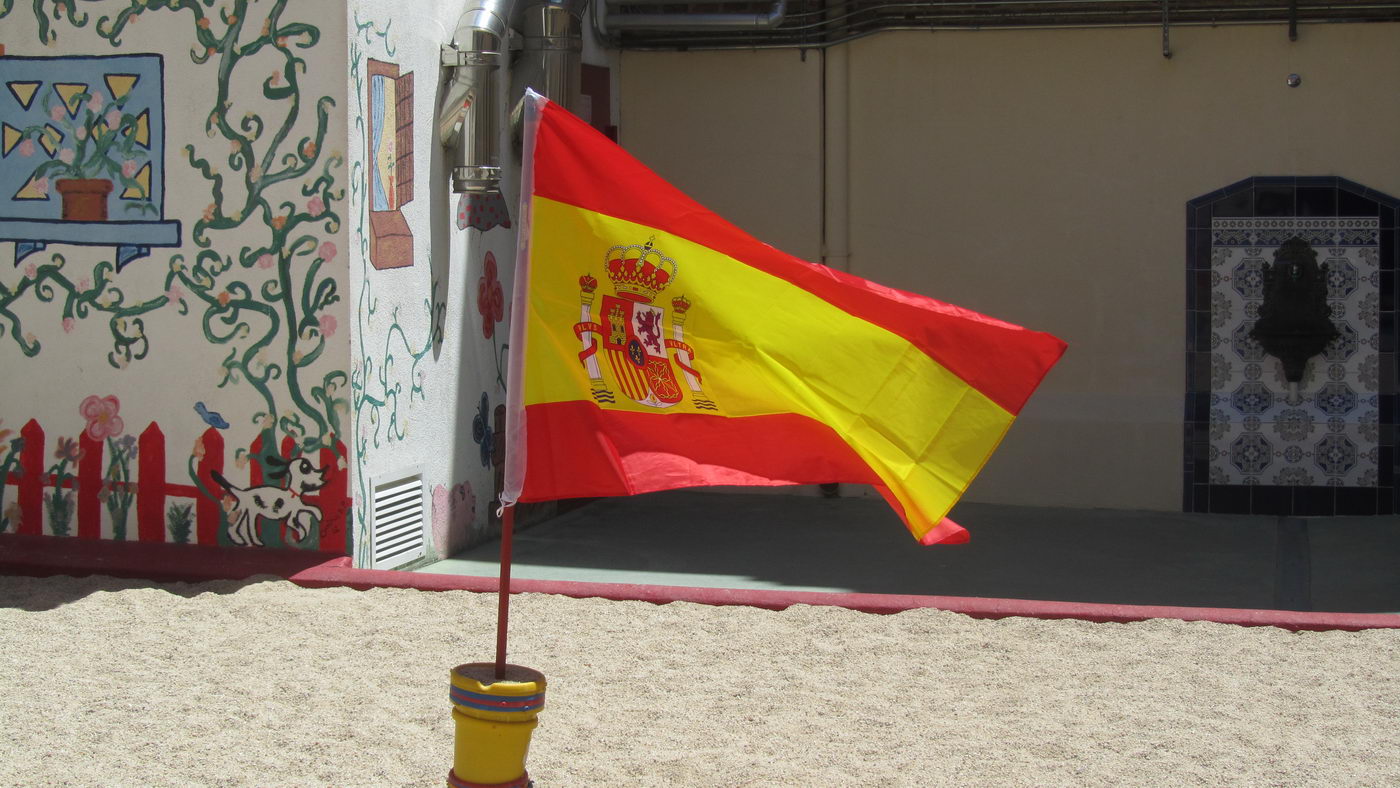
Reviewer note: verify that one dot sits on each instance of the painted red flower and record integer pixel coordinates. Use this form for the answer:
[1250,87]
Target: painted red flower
[490,300]
[101,415]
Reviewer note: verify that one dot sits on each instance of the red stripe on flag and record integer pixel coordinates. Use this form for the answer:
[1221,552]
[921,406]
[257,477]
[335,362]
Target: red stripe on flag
[577,450]
[574,164]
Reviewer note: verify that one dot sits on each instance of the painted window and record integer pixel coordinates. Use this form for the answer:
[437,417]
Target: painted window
[389,146]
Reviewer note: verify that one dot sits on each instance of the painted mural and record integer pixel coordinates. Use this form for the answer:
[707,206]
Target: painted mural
[82,154]
[242,317]
[389,369]
[428,365]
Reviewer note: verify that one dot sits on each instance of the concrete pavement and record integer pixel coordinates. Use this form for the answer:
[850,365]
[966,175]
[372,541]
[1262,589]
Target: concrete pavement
[796,543]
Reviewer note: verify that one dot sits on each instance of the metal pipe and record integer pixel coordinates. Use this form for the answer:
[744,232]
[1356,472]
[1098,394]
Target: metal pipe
[775,16]
[821,29]
[1166,30]
[694,45]
[467,118]
[836,160]
[553,47]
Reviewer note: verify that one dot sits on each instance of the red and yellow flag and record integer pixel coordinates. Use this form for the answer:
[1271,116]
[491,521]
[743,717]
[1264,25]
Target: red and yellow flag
[655,346]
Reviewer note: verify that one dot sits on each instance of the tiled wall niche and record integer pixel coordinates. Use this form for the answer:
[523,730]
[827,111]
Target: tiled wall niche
[1249,449]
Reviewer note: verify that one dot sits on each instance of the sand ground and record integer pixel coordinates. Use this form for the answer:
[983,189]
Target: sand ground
[262,683]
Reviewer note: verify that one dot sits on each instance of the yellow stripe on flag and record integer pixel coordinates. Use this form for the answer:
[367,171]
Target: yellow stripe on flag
[764,346]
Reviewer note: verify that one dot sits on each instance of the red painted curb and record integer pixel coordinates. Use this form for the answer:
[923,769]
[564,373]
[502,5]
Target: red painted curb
[45,555]
[339,573]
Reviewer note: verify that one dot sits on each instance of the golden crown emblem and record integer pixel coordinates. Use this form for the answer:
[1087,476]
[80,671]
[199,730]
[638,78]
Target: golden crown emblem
[639,273]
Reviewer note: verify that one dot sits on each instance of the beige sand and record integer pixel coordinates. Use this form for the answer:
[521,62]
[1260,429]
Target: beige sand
[128,683]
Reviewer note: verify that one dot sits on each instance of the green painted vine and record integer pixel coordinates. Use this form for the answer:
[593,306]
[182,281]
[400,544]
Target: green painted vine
[267,307]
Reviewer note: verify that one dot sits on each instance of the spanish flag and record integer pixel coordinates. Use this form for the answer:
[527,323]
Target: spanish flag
[655,346]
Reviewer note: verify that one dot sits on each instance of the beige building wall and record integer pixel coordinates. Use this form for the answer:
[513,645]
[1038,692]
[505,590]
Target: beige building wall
[1040,177]
[739,132]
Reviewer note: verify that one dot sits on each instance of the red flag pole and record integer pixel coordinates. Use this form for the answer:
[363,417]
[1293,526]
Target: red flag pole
[503,611]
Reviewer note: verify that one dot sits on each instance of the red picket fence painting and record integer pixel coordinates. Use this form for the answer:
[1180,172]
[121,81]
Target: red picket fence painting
[152,491]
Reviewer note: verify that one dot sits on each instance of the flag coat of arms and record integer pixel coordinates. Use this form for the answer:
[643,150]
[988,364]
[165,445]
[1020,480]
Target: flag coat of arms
[656,346]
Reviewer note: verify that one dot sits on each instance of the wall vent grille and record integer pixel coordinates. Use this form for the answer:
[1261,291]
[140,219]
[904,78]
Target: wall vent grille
[398,523]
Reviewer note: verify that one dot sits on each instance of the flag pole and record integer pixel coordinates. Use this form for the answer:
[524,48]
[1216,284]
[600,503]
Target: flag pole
[503,609]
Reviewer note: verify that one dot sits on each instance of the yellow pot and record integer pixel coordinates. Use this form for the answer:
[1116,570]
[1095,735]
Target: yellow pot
[494,721]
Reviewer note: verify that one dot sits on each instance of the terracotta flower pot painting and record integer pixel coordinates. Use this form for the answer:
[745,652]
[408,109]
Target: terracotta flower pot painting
[84,199]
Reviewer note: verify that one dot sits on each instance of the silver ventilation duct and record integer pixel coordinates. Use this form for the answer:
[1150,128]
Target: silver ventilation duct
[467,119]
[552,48]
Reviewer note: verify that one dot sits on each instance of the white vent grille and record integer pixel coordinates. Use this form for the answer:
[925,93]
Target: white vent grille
[398,525]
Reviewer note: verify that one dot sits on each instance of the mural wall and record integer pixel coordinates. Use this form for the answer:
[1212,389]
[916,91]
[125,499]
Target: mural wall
[429,272]
[174,320]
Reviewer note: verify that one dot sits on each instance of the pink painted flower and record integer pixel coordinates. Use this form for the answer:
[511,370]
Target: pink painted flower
[328,251]
[129,168]
[68,324]
[26,148]
[315,206]
[95,103]
[328,325]
[175,293]
[66,155]
[30,271]
[209,212]
[275,79]
[462,506]
[101,416]
[41,185]
[57,112]
[114,118]
[80,132]
[265,260]
[84,284]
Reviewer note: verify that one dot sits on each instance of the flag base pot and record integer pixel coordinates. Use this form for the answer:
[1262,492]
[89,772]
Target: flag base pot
[494,720]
